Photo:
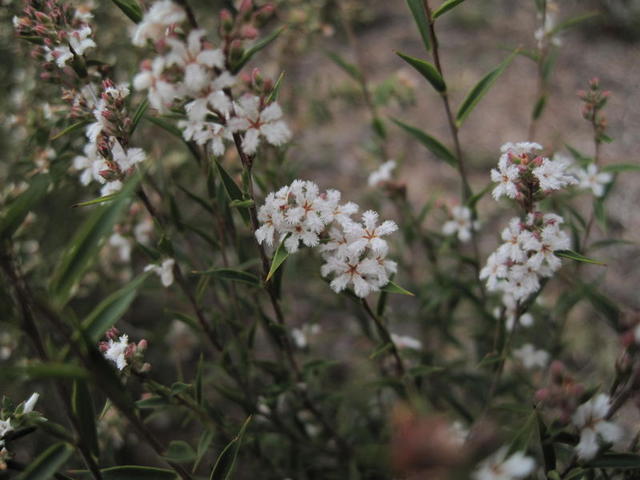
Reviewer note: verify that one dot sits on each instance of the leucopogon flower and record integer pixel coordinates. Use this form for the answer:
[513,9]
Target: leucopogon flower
[354,252]
[164,271]
[502,467]
[121,352]
[382,175]
[461,223]
[590,178]
[530,357]
[590,420]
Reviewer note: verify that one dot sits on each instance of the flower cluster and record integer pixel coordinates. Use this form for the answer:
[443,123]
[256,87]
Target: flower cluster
[121,352]
[189,71]
[354,251]
[591,420]
[64,33]
[527,255]
[526,176]
[595,100]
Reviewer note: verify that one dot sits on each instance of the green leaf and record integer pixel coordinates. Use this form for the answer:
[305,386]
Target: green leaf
[427,70]
[86,243]
[231,274]
[241,203]
[481,88]
[445,7]
[36,371]
[48,463]
[14,214]
[616,460]
[473,200]
[82,406]
[256,48]
[137,116]
[180,452]
[433,145]
[380,350]
[572,22]
[136,472]
[392,287]
[97,201]
[109,311]
[203,446]
[225,464]
[275,91]
[130,8]
[621,167]
[232,190]
[349,68]
[578,257]
[70,129]
[539,107]
[422,22]
[278,259]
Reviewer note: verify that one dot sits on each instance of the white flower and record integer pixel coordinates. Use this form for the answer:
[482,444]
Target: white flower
[5,427]
[90,165]
[366,275]
[162,93]
[382,174]
[155,22]
[461,223]
[122,245]
[520,148]
[530,357]
[507,177]
[254,122]
[116,351]
[512,236]
[368,234]
[164,271]
[196,61]
[553,175]
[304,219]
[127,159]
[61,55]
[550,239]
[494,271]
[522,281]
[499,467]
[405,341]
[590,178]
[79,40]
[301,336]
[110,188]
[332,209]
[590,419]
[30,403]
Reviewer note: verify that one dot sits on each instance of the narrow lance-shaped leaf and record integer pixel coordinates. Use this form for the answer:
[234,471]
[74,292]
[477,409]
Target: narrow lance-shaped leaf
[12,217]
[136,472]
[70,129]
[481,88]
[232,190]
[225,464]
[131,8]
[433,145]
[427,70]
[48,463]
[82,405]
[445,7]
[348,67]
[578,257]
[232,274]
[86,243]
[422,22]
[392,287]
[278,259]
[256,48]
[109,311]
[139,113]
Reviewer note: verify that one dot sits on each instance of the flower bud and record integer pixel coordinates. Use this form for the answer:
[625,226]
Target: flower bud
[226,22]
[236,50]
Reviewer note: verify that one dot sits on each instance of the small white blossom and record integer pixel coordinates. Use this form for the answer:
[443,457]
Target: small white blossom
[255,122]
[496,269]
[368,234]
[164,271]
[127,159]
[301,336]
[553,174]
[110,188]
[501,467]
[154,24]
[506,176]
[162,92]
[79,40]
[530,357]
[116,351]
[366,275]
[5,427]
[122,246]
[405,341]
[590,178]
[382,174]
[461,223]
[30,403]
[590,419]
[90,165]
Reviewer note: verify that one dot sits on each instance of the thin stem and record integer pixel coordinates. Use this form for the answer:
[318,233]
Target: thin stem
[386,337]
[190,15]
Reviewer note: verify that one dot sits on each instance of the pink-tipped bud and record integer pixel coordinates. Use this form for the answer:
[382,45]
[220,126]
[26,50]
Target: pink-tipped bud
[256,77]
[542,395]
[142,345]
[245,7]
[557,369]
[236,50]
[248,32]
[112,333]
[226,21]
[263,14]
[146,367]
[103,346]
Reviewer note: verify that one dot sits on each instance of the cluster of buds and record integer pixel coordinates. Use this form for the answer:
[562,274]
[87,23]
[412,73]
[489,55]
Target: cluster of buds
[594,101]
[244,25]
[123,353]
[61,34]
[562,395]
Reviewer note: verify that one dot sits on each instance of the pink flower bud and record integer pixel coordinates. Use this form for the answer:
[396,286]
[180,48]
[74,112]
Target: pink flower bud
[142,345]
[248,32]
[541,395]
